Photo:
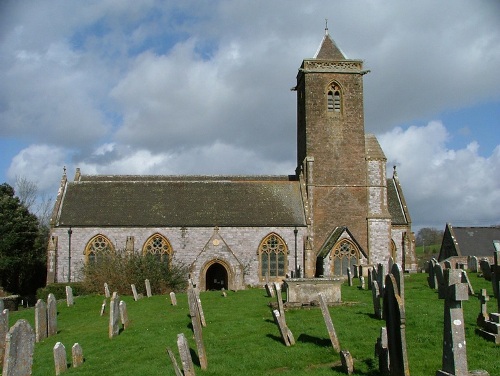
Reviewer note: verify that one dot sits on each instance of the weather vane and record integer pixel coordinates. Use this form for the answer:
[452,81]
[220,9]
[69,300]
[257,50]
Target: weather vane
[326,25]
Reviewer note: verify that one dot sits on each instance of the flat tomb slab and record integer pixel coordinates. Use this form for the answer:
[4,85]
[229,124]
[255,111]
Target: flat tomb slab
[306,290]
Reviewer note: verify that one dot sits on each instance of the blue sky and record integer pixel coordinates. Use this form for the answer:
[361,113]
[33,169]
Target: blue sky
[164,87]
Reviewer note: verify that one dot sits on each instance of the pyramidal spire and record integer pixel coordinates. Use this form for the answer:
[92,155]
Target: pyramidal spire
[328,50]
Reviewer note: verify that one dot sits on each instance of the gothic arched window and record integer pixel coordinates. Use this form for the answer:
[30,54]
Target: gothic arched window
[272,257]
[334,100]
[158,246]
[344,255]
[96,247]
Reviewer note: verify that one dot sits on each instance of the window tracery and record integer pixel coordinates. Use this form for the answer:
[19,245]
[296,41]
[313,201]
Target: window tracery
[344,255]
[334,99]
[158,246]
[272,257]
[96,247]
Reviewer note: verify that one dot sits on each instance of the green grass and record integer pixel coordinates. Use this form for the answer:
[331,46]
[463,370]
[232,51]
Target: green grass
[242,339]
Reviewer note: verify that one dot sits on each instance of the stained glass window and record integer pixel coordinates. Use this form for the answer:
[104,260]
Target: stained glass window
[344,255]
[96,247]
[158,246]
[272,257]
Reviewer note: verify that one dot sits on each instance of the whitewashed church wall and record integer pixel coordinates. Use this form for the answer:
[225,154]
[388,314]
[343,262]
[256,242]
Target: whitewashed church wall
[379,240]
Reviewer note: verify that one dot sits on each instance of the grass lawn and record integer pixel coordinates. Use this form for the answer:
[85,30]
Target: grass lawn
[242,339]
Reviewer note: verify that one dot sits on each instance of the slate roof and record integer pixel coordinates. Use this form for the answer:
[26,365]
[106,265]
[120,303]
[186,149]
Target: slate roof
[332,240]
[328,49]
[373,149]
[474,241]
[396,203]
[169,201]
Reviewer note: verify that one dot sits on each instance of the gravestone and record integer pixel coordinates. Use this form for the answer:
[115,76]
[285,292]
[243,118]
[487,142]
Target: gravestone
[185,354]
[483,314]
[279,298]
[381,278]
[173,298]
[382,352]
[488,325]
[194,312]
[395,319]
[485,267]
[447,264]
[107,294]
[438,271]
[148,288]
[370,279]
[431,278]
[200,307]
[465,279]
[377,307]
[472,264]
[397,272]
[362,282]
[51,315]
[4,329]
[329,324]
[269,290]
[60,358]
[123,314]
[347,363]
[286,333]
[390,263]
[69,296]
[171,355]
[19,347]
[114,316]
[349,277]
[134,292]
[77,355]
[103,307]
[495,274]
[40,320]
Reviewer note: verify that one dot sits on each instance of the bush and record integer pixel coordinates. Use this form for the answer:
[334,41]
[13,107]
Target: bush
[121,269]
[59,290]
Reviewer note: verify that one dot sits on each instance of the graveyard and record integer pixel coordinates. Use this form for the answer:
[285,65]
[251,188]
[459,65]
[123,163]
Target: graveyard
[242,338]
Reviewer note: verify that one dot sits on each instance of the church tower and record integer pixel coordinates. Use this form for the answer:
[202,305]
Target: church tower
[331,155]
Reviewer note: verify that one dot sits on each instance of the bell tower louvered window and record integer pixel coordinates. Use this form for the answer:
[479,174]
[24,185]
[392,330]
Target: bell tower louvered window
[334,101]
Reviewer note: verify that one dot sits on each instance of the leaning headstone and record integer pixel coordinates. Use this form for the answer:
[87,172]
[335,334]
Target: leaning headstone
[279,299]
[173,298]
[77,355]
[114,316]
[382,352]
[148,288]
[40,320]
[377,306]
[171,355]
[349,277]
[60,358]
[134,292]
[69,296]
[197,329]
[4,329]
[397,272]
[395,319]
[103,307]
[329,324]
[285,332]
[124,314]
[185,354]
[200,307]
[107,294]
[269,290]
[347,363]
[19,347]
[51,315]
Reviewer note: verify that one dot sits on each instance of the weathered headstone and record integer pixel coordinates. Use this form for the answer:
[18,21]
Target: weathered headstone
[269,290]
[197,329]
[431,278]
[69,296]
[19,347]
[329,324]
[362,282]
[349,277]
[40,320]
[495,274]
[381,278]
[60,358]
[134,292]
[279,299]
[171,355]
[200,307]
[77,355]
[114,316]
[124,314]
[185,354]
[377,306]
[438,272]
[148,288]
[347,363]
[107,294]
[390,263]
[173,298]
[472,264]
[485,267]
[397,272]
[382,352]
[370,279]
[103,307]
[51,315]
[286,333]
[395,319]
[4,329]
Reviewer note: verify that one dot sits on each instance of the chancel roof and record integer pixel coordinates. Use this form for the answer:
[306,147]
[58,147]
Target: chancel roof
[176,201]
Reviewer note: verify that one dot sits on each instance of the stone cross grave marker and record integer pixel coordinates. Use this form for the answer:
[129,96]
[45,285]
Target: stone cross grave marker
[134,292]
[60,358]
[107,294]
[382,352]
[148,288]
[103,307]
[377,306]
[185,354]
[51,315]
[329,324]
[347,363]
[173,298]
[40,320]
[4,329]
[194,312]
[77,355]
[395,319]
[114,316]
[171,355]
[124,314]
[483,314]
[19,347]
[69,296]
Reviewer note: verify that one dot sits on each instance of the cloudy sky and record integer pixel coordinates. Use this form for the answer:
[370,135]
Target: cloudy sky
[203,87]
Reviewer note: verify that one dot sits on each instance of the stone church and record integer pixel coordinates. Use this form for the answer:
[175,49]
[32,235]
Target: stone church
[337,211]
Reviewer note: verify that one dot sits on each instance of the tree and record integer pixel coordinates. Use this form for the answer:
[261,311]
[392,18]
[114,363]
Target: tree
[429,236]
[22,247]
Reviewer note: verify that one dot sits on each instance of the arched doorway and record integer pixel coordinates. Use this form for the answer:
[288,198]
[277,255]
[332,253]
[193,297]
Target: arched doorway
[216,277]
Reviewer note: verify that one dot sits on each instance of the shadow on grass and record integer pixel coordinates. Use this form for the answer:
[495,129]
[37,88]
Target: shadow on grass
[322,342]
[195,358]
[276,338]
[369,362]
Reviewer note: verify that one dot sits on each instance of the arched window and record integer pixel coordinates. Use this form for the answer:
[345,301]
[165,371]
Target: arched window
[394,250]
[344,255]
[96,247]
[158,246]
[273,257]
[334,98]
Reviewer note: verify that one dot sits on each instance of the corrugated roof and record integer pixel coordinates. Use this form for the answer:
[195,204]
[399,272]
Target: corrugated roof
[182,201]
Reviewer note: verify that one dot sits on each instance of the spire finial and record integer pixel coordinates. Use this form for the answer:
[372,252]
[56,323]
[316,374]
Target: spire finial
[326,26]
[394,173]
